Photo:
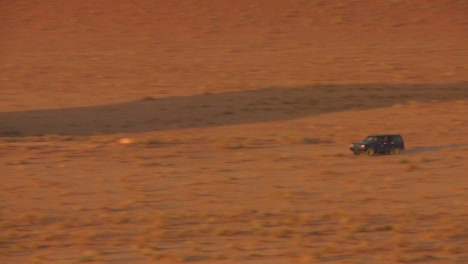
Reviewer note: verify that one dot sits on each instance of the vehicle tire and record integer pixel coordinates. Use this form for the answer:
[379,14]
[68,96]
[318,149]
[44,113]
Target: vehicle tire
[395,151]
[357,153]
[370,152]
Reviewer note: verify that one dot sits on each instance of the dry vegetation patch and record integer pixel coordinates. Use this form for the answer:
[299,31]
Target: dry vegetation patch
[140,135]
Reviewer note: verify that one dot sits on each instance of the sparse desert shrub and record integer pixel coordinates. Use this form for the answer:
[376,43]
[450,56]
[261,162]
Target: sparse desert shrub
[261,231]
[308,140]
[159,256]
[401,241]
[88,256]
[383,228]
[148,98]
[283,233]
[361,228]
[404,161]
[399,257]
[350,236]
[231,145]
[219,256]
[329,172]
[425,159]
[452,249]
[227,232]
[412,167]
[150,141]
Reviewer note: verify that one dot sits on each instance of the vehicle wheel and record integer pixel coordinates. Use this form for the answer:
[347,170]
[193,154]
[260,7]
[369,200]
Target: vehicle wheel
[370,152]
[357,153]
[395,151]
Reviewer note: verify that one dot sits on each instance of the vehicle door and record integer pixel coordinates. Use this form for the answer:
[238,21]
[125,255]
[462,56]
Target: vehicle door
[387,144]
[397,141]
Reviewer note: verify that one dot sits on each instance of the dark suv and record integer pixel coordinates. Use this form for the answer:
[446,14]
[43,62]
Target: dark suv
[379,143]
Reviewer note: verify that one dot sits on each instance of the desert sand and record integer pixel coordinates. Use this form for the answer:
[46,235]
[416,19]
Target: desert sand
[218,131]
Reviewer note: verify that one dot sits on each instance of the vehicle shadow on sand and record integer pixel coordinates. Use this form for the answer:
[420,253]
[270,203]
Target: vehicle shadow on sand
[219,109]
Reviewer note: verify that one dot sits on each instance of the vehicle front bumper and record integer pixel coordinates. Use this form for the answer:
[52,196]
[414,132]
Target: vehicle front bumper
[358,149]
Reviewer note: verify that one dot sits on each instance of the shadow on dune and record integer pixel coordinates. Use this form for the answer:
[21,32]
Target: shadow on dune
[219,109]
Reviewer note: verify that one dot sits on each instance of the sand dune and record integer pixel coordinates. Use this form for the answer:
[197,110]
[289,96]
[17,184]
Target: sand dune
[218,131]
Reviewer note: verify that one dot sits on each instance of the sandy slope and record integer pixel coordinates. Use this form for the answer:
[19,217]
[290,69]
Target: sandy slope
[240,115]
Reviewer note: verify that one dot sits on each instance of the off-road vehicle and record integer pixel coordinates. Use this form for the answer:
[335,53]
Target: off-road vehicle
[379,143]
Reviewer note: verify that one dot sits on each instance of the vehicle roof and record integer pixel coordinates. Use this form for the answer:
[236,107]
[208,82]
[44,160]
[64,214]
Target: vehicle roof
[383,135]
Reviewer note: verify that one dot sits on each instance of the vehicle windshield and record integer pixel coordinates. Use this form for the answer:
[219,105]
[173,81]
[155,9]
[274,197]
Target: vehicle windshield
[370,139]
